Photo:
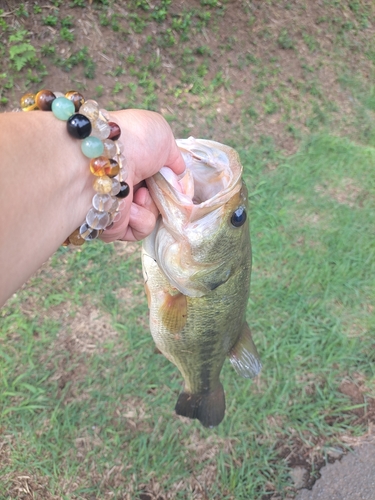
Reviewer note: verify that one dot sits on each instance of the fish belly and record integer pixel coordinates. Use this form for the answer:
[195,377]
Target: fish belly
[196,334]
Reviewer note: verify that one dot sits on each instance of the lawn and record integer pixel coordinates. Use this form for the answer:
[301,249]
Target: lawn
[86,403]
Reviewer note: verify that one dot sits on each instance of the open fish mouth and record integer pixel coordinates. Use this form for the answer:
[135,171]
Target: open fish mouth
[208,182]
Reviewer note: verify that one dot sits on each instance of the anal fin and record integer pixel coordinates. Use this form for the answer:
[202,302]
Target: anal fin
[208,408]
[244,355]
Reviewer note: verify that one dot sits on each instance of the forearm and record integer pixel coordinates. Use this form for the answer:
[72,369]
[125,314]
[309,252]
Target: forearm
[46,187]
[46,191]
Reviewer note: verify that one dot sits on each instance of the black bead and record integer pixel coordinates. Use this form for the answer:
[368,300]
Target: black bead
[124,190]
[79,126]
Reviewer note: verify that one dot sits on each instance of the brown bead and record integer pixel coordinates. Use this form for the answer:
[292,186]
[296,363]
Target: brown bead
[76,239]
[115,131]
[44,99]
[28,102]
[113,169]
[76,97]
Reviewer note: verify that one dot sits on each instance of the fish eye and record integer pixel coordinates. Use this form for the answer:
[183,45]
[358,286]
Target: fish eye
[238,217]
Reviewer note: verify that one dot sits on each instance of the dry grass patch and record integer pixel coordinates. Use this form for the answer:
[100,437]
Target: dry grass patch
[347,193]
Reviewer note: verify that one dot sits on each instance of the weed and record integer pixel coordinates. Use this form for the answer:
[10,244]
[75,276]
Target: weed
[67,35]
[48,50]
[80,57]
[78,3]
[50,20]
[182,24]
[104,19]
[270,106]
[118,87]
[22,11]
[160,14]
[21,52]
[203,50]
[167,39]
[284,40]
[67,22]
[99,90]
[37,9]
[115,23]
[210,3]
[137,24]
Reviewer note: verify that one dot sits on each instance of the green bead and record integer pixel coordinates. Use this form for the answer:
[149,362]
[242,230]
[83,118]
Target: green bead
[92,147]
[63,108]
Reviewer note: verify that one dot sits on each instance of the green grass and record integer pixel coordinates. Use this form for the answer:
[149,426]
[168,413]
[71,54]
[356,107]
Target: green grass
[86,405]
[310,312]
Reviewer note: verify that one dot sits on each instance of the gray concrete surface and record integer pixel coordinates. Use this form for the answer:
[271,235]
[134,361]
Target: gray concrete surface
[352,478]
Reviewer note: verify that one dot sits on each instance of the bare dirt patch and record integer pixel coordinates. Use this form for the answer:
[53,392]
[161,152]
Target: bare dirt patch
[271,63]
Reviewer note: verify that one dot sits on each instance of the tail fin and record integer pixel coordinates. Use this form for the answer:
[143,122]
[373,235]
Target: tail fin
[208,408]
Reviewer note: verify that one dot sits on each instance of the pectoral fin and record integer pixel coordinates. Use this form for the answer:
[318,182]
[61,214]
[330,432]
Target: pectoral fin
[244,356]
[173,312]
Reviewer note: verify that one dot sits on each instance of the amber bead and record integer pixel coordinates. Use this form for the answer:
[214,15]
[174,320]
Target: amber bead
[124,190]
[115,131]
[44,99]
[76,97]
[79,126]
[104,166]
[28,102]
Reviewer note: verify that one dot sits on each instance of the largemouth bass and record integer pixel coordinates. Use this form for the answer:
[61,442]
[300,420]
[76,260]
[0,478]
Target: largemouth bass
[196,267]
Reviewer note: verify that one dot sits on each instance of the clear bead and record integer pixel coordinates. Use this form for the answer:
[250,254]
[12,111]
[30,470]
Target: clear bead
[96,219]
[116,187]
[109,148]
[103,202]
[119,147]
[88,233]
[104,115]
[122,160]
[114,207]
[100,129]
[90,109]
[123,174]
[116,216]
[58,94]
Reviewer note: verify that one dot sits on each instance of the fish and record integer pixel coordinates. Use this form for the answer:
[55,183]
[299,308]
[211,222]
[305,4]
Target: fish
[196,267]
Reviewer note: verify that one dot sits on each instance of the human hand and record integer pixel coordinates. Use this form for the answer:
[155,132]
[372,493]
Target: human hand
[148,145]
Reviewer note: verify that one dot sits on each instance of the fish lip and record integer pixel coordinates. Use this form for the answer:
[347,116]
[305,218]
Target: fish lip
[159,184]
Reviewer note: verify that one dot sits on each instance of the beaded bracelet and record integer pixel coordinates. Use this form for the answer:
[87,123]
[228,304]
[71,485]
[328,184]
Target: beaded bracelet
[86,121]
